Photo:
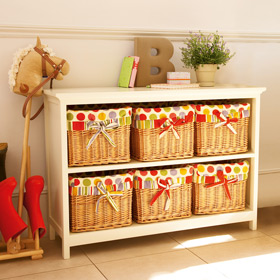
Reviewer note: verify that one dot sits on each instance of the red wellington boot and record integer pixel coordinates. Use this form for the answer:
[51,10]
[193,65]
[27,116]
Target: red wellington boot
[34,186]
[11,224]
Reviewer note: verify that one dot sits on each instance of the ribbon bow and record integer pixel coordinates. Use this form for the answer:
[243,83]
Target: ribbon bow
[171,125]
[101,127]
[108,195]
[164,186]
[225,121]
[224,182]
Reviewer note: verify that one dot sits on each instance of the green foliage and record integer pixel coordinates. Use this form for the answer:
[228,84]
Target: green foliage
[205,49]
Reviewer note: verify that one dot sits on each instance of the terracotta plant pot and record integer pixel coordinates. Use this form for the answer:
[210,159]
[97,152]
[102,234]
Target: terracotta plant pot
[205,75]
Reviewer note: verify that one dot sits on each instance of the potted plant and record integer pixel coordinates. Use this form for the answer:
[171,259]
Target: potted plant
[205,53]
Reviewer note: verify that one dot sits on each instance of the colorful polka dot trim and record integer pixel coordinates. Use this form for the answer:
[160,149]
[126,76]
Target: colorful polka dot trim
[88,185]
[147,179]
[208,113]
[238,170]
[77,120]
[143,118]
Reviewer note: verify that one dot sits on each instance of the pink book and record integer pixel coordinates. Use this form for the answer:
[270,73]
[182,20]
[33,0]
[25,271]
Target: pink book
[134,71]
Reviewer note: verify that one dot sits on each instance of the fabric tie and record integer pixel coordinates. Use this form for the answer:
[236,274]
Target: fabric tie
[164,186]
[101,127]
[171,125]
[108,195]
[225,121]
[224,182]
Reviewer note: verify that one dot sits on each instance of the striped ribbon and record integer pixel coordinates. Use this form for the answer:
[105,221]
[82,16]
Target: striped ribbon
[223,182]
[164,186]
[108,195]
[170,125]
[225,121]
[101,127]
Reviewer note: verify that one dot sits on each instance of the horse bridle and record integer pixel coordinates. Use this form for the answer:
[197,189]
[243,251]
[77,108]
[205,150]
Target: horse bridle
[57,69]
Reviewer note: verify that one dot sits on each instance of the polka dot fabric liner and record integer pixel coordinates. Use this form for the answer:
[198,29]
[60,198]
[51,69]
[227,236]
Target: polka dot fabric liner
[148,179]
[78,119]
[206,113]
[238,170]
[149,117]
[88,185]
[161,113]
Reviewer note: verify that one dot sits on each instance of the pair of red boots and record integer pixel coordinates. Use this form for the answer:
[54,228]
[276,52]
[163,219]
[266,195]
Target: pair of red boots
[11,224]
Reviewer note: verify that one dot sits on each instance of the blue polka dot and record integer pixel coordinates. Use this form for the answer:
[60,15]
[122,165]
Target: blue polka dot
[182,115]
[173,172]
[112,115]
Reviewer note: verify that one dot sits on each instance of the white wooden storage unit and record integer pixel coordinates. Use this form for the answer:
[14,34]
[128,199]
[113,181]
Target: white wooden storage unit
[56,101]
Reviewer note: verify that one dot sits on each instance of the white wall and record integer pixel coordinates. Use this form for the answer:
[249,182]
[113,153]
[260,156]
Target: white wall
[94,36]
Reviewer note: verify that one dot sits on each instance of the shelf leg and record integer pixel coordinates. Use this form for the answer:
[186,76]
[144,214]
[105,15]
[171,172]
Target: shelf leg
[65,251]
[51,232]
[253,225]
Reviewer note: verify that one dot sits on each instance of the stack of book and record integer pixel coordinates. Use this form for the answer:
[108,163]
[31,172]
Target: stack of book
[128,71]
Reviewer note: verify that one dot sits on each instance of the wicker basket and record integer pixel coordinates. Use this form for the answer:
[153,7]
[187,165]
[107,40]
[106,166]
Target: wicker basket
[221,129]
[150,200]
[98,136]
[90,210]
[219,188]
[162,133]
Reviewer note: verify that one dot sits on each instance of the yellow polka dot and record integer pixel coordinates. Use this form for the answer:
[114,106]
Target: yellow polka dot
[96,181]
[102,116]
[245,169]
[183,171]
[206,112]
[248,108]
[162,116]
[186,107]
[201,168]
[221,106]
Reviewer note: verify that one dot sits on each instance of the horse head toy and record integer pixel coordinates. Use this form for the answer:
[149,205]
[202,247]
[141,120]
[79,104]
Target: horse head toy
[30,65]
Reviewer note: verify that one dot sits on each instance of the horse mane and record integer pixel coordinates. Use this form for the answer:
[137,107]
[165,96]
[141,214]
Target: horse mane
[18,58]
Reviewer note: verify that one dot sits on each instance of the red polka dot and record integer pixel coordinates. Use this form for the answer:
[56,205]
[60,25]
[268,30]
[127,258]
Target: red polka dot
[210,169]
[143,173]
[241,109]
[228,169]
[108,182]
[227,106]
[76,182]
[190,115]
[157,110]
[216,111]
[191,170]
[70,178]
[198,107]
[154,173]
[95,110]
[143,117]
[81,116]
[193,106]
[129,112]
[240,163]
[91,117]
[172,116]
[244,104]
[147,110]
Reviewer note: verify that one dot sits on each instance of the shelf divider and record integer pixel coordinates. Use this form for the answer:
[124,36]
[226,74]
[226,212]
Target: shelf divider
[141,164]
